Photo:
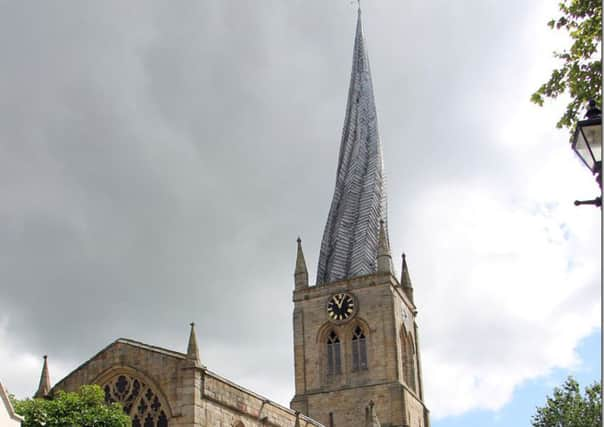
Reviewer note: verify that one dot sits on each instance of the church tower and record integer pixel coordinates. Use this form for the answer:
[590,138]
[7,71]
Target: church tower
[356,349]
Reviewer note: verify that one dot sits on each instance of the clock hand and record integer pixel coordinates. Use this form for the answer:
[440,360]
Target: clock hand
[340,302]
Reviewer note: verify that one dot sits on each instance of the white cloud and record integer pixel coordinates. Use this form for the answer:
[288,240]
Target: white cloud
[513,290]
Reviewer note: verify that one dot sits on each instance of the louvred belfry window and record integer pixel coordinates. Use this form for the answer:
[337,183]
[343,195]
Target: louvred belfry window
[139,400]
[333,354]
[359,350]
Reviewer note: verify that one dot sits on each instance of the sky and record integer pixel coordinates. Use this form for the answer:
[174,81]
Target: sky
[158,161]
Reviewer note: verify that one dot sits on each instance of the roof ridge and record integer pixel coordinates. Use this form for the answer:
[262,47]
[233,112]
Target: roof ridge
[151,347]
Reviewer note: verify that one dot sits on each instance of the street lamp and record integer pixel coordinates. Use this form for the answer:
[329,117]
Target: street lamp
[587,143]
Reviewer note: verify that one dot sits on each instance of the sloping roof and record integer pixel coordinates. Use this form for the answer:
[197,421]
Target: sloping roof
[306,419]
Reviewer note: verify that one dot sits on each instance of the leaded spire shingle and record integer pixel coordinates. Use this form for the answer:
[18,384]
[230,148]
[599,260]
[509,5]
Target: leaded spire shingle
[350,240]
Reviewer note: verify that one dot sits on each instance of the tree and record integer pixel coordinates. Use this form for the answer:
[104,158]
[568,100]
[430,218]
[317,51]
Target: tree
[569,408]
[581,71]
[86,408]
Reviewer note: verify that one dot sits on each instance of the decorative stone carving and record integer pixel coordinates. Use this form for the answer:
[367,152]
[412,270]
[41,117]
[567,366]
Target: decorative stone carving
[139,400]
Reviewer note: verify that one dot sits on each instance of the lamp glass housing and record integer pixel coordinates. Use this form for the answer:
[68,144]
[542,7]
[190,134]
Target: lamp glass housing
[587,142]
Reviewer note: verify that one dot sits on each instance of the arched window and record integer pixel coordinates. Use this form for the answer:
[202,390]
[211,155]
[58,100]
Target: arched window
[408,356]
[138,399]
[359,350]
[333,354]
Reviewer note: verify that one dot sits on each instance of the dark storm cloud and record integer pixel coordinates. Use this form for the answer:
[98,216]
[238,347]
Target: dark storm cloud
[158,160]
[148,166]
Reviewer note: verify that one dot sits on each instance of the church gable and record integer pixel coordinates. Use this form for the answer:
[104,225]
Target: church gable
[159,388]
[143,378]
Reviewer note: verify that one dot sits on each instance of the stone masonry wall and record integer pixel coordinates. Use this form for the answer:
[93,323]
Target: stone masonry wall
[164,370]
[386,315]
[192,395]
[226,404]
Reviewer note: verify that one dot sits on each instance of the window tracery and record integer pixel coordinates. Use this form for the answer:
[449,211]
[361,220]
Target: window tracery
[359,349]
[333,354]
[139,400]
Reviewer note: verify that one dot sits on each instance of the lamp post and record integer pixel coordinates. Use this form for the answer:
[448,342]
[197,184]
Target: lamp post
[587,144]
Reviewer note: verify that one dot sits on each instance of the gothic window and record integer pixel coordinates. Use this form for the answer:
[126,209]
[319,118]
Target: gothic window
[139,400]
[333,354]
[359,350]
[408,356]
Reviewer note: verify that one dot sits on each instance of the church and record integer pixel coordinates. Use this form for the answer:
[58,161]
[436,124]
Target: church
[356,344]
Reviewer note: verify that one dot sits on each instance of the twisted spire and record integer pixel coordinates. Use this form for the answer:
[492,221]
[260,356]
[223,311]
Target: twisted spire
[350,240]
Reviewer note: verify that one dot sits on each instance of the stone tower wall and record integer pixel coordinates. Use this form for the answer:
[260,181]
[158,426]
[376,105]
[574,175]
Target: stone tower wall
[388,318]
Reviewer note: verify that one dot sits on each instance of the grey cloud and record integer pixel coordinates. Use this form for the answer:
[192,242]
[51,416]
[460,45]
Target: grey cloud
[158,160]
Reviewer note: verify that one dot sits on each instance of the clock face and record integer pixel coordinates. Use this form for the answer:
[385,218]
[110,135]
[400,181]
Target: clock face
[340,306]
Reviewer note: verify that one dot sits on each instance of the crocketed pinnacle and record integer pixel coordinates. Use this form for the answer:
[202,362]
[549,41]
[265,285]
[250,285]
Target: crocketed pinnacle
[44,386]
[371,419]
[384,260]
[350,240]
[192,350]
[301,273]
[406,279]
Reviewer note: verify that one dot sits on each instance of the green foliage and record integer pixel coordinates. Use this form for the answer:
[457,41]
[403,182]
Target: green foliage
[12,399]
[569,408]
[86,408]
[581,71]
